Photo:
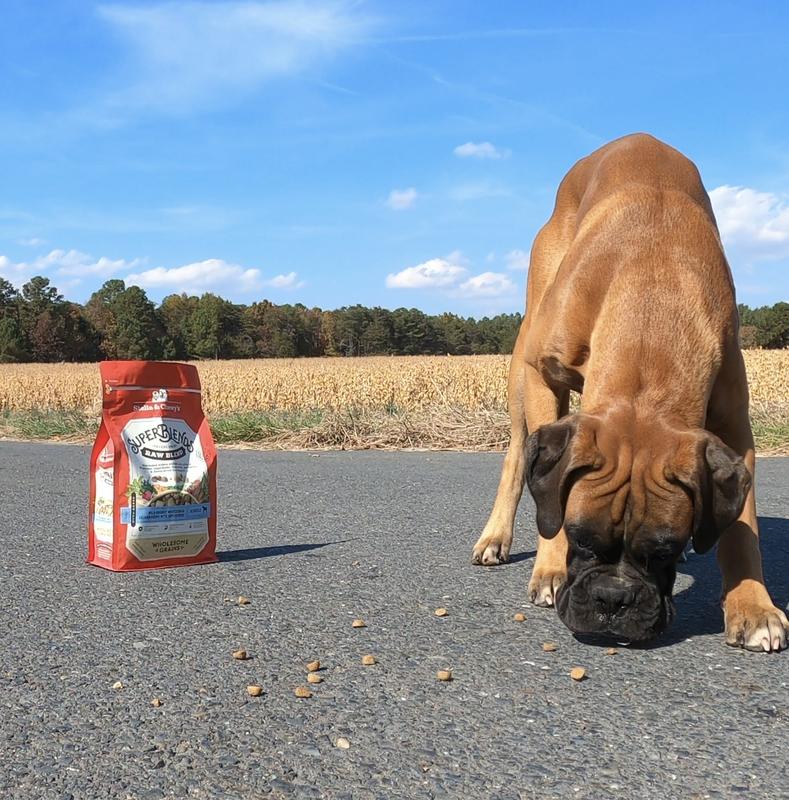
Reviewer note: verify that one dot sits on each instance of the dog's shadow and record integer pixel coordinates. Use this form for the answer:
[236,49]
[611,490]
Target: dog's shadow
[698,607]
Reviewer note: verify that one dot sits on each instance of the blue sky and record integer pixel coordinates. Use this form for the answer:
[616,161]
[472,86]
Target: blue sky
[389,154]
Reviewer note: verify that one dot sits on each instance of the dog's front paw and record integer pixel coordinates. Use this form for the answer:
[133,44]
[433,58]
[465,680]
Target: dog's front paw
[491,549]
[754,623]
[545,583]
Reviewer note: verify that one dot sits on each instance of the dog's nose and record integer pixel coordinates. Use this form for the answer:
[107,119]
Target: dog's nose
[612,596]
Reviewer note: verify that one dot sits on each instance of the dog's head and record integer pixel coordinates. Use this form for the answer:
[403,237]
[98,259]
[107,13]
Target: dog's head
[629,500]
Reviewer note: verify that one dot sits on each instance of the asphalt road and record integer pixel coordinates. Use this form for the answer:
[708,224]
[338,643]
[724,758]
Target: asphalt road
[315,541]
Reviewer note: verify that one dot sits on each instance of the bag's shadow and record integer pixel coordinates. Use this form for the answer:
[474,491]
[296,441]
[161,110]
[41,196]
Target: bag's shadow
[251,553]
[698,607]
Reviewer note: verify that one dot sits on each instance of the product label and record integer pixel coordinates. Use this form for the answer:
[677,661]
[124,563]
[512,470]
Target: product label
[168,492]
[105,498]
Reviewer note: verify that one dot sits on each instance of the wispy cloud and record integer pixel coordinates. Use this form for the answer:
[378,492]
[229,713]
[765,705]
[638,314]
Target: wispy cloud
[189,55]
[481,150]
[33,241]
[401,199]
[514,33]
[72,264]
[480,190]
[517,259]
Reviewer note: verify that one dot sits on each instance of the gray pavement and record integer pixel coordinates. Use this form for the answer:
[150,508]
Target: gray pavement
[315,540]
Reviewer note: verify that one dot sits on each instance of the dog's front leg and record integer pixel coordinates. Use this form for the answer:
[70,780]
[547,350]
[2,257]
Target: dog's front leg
[531,404]
[493,547]
[752,620]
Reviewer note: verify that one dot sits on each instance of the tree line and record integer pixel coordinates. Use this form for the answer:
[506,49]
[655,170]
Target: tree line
[119,321]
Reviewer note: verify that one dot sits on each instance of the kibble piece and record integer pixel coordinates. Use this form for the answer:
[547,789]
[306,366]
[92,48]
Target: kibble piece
[240,655]
[243,601]
[549,647]
[156,702]
[612,651]
[441,612]
[313,666]
[117,685]
[519,617]
[313,677]
[342,743]
[358,623]
[302,691]
[254,690]
[368,661]
[444,675]
[577,673]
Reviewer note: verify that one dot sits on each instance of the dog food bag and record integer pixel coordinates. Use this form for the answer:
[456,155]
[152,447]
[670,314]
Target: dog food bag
[152,470]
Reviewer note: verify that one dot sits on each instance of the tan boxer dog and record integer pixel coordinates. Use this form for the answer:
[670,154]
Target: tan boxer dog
[630,301]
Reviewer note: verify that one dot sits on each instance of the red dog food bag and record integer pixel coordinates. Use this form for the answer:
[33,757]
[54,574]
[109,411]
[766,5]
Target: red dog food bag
[152,470]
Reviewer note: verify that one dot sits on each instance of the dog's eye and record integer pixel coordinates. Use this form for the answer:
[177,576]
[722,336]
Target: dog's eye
[584,545]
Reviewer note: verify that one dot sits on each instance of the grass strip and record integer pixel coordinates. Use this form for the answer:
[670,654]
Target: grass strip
[443,428]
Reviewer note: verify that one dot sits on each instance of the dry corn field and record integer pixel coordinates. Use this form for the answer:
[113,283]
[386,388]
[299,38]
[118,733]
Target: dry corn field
[406,401]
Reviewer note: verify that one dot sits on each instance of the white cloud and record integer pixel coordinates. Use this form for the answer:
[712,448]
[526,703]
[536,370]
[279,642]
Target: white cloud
[452,278]
[196,53]
[480,150]
[517,259]
[69,263]
[433,274]
[289,281]
[487,284]
[400,199]
[199,276]
[213,273]
[754,225]
[32,242]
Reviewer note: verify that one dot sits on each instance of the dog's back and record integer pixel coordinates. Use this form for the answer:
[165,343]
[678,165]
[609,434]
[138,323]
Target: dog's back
[632,247]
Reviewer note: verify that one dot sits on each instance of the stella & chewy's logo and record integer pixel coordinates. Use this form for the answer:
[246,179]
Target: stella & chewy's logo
[158,402]
[170,443]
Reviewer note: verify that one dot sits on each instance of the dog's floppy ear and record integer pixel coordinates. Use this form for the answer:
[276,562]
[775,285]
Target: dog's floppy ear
[553,453]
[719,485]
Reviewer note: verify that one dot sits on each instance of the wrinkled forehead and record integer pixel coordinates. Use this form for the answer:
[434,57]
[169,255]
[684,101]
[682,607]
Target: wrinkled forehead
[645,518]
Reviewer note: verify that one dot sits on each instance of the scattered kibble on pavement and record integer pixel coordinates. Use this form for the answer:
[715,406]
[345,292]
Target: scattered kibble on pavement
[302,691]
[444,675]
[358,623]
[441,612]
[519,617]
[254,690]
[578,673]
[156,702]
[313,666]
[243,601]
[313,677]
[549,647]
[368,661]
[342,743]
[612,651]
[240,655]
